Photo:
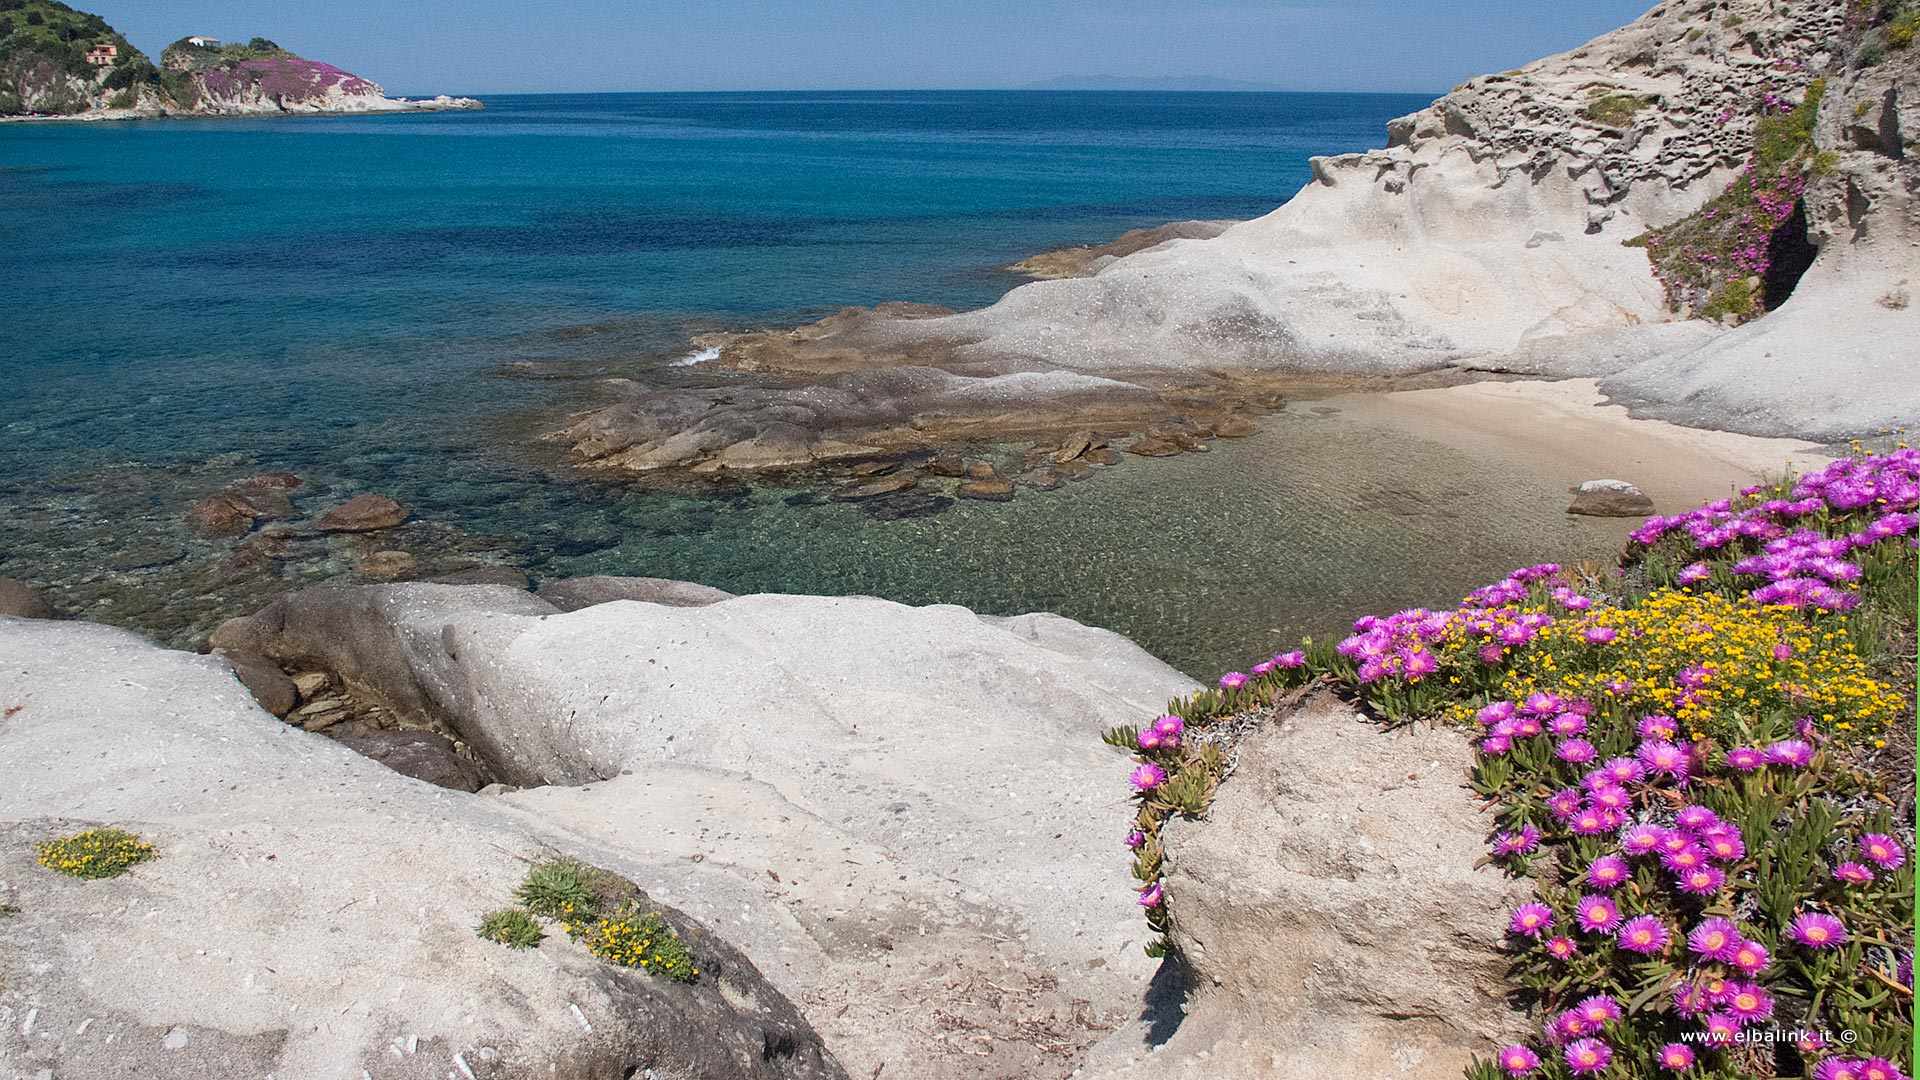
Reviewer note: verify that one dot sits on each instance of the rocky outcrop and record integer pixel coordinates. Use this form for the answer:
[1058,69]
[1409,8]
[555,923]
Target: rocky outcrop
[1840,356]
[572,594]
[903,815]
[1489,234]
[1610,498]
[1089,260]
[310,913]
[1328,915]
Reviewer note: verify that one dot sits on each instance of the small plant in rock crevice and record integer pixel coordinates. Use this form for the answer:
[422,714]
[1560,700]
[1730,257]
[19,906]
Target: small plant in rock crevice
[512,927]
[598,909]
[95,853]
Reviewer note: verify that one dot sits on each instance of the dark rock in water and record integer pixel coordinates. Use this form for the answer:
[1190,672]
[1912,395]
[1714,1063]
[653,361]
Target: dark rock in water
[227,513]
[270,686]
[907,504]
[873,489]
[1610,498]
[1076,445]
[422,755]
[1153,446]
[805,498]
[277,482]
[387,565]
[485,575]
[994,490]
[944,464]
[1072,470]
[1101,455]
[22,601]
[363,513]
[572,594]
[1042,481]
[1190,442]
[873,468]
[145,556]
[982,470]
[1235,427]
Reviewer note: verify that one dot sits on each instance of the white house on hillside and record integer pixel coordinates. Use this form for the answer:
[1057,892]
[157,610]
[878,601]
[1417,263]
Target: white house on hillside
[204,42]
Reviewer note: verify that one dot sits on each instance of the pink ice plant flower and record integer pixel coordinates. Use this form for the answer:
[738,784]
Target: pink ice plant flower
[1148,776]
[1642,839]
[1676,1057]
[1745,759]
[1560,948]
[1817,930]
[1750,957]
[1853,873]
[1883,851]
[1608,872]
[1597,914]
[1517,842]
[1532,920]
[1715,939]
[1233,680]
[1588,1056]
[1643,934]
[1518,1060]
[1575,751]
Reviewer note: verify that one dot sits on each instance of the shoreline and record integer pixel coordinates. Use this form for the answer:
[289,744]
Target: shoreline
[438,103]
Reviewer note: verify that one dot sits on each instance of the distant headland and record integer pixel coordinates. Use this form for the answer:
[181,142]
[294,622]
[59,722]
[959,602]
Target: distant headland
[60,64]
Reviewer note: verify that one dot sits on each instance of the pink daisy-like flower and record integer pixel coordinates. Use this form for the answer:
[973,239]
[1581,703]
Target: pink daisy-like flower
[1695,817]
[1148,776]
[1817,930]
[1611,798]
[1262,668]
[1522,842]
[1233,680]
[1658,727]
[1677,1057]
[1598,1010]
[1690,999]
[1663,757]
[1839,1069]
[1560,948]
[1591,821]
[1541,703]
[1532,920]
[1608,872]
[1136,839]
[1643,934]
[1292,659]
[1600,635]
[1746,1002]
[1151,897]
[1883,851]
[1642,839]
[1495,713]
[1674,841]
[1793,753]
[1518,1060]
[1703,880]
[1623,770]
[1152,740]
[1723,843]
[1715,939]
[1688,857]
[1880,1069]
[1567,723]
[1721,1029]
[1588,1055]
[1597,914]
[1694,574]
[1563,804]
[1853,873]
[1750,957]
[1745,759]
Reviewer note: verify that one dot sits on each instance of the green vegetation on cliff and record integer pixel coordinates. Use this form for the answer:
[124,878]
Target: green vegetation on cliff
[184,55]
[44,65]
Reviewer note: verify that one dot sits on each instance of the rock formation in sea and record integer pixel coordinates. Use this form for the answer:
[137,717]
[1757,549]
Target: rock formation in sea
[1504,228]
[59,62]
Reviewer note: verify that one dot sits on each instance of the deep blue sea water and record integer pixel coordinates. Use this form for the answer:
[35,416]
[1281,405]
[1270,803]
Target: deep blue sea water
[398,303]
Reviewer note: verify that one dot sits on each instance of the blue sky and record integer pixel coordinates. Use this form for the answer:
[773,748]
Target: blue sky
[509,46]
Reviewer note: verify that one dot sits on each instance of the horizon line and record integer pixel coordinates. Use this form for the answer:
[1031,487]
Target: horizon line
[917,90]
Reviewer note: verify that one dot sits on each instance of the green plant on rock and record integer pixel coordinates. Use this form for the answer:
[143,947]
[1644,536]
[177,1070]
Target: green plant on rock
[633,938]
[95,853]
[557,888]
[1615,110]
[511,927]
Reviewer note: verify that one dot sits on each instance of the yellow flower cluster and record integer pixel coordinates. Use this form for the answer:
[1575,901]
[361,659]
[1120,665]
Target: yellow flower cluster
[632,939]
[95,853]
[1744,660]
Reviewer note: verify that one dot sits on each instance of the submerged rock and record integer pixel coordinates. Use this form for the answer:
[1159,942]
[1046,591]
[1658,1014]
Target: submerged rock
[227,513]
[387,565]
[22,601]
[1610,498]
[572,594]
[873,489]
[996,489]
[363,513]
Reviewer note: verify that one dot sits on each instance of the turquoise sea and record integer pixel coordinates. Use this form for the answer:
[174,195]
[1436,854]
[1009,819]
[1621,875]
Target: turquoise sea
[402,303]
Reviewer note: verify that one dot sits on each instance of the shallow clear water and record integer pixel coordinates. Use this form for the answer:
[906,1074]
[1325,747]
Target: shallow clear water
[399,303]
